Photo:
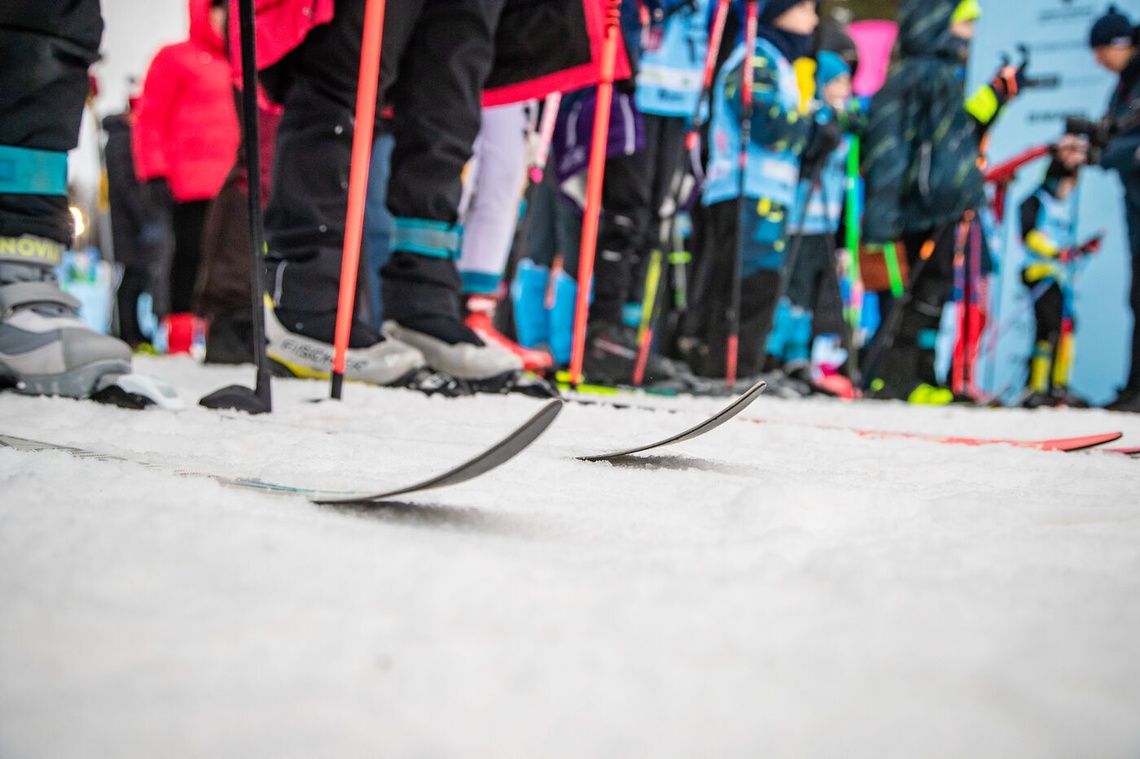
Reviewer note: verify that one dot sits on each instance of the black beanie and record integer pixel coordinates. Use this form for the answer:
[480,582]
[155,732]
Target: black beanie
[1113,29]
[773,9]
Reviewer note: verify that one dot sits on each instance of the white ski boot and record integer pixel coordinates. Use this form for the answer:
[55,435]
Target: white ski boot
[388,362]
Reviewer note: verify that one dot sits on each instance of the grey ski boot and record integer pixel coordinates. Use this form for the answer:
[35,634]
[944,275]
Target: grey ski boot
[45,348]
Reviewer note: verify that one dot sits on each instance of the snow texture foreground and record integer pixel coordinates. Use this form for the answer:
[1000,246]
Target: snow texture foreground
[774,589]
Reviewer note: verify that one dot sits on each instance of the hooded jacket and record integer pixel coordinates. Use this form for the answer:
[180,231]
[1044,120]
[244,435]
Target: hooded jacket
[1123,151]
[187,127]
[921,145]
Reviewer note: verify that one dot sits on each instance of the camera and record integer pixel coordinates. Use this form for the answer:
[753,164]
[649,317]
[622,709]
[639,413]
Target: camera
[1098,131]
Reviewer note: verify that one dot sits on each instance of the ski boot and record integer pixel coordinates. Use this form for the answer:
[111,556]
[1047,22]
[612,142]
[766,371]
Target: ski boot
[1063,396]
[452,348]
[480,320]
[611,356]
[304,348]
[46,349]
[1031,399]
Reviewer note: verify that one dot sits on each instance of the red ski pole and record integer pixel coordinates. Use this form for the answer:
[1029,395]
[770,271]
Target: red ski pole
[357,183]
[691,138]
[732,343]
[594,180]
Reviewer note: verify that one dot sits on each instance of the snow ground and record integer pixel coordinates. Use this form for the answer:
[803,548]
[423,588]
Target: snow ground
[774,590]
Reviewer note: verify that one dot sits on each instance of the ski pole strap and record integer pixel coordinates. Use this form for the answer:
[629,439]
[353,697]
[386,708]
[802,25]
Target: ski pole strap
[891,254]
[437,239]
[28,249]
[25,171]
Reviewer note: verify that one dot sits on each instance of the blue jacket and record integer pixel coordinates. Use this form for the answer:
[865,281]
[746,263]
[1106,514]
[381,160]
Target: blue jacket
[669,78]
[822,213]
[779,131]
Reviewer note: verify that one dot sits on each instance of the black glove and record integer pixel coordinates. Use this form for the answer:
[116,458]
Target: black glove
[825,138]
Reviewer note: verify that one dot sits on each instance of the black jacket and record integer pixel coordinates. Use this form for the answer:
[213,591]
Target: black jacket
[1122,153]
[921,145]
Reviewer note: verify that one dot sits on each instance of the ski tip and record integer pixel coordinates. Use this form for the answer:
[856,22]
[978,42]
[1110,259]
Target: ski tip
[738,404]
[492,457]
[1082,443]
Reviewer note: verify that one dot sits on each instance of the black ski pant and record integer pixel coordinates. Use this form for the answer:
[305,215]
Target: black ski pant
[1048,311]
[47,46]
[910,359]
[706,327]
[635,188]
[435,59]
[189,219]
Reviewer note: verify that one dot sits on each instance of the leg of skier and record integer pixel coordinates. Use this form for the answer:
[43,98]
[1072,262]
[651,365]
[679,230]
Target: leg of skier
[44,347]
[490,215]
[435,59]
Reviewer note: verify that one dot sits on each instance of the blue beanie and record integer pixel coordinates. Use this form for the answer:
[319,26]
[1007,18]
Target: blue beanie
[829,65]
[773,9]
[1113,29]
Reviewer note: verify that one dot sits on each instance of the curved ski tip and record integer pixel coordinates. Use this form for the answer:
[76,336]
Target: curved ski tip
[490,458]
[738,404]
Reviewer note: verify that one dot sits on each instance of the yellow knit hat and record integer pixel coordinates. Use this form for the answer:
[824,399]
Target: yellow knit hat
[967,10]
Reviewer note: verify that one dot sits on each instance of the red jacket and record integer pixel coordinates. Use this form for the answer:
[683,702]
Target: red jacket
[282,24]
[187,128]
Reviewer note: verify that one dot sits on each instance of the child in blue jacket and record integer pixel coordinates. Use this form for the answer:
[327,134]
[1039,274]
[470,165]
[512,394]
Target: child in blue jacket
[779,133]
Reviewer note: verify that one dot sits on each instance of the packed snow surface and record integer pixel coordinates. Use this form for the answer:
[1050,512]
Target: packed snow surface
[777,589]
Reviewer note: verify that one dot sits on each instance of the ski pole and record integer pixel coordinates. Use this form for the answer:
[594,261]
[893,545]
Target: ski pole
[236,396]
[788,265]
[250,131]
[885,336]
[545,135]
[847,338]
[732,343]
[967,268]
[852,232]
[692,137]
[995,305]
[367,85]
[594,180]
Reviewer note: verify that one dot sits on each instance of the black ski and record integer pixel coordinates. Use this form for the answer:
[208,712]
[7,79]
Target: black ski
[741,402]
[492,457]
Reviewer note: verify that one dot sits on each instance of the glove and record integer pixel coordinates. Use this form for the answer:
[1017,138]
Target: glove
[852,118]
[825,138]
[1091,246]
[1007,82]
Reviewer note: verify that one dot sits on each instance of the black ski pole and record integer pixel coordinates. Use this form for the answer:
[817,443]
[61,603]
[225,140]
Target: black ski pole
[788,265]
[260,399]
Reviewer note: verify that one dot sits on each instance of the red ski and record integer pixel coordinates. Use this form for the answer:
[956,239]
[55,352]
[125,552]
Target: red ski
[1079,443]
[1067,444]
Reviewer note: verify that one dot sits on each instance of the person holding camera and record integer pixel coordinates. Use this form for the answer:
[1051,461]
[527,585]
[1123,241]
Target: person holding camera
[1114,143]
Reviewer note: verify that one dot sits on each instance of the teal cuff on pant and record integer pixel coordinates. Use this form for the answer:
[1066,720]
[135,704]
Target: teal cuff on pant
[437,239]
[24,171]
[480,283]
[928,339]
